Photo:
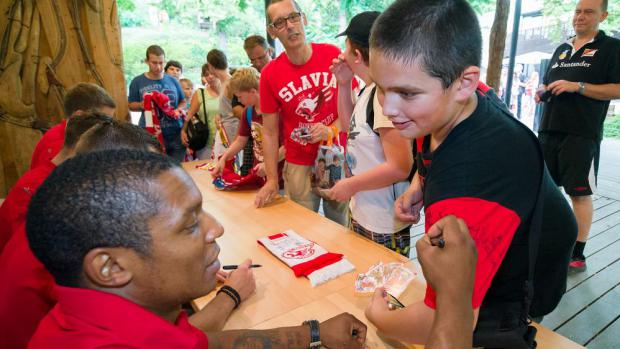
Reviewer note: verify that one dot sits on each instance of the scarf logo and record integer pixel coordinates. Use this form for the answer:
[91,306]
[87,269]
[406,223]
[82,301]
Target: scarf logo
[300,252]
[589,52]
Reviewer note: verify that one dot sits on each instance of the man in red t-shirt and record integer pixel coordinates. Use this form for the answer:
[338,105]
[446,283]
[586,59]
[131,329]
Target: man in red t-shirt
[126,253]
[81,98]
[298,88]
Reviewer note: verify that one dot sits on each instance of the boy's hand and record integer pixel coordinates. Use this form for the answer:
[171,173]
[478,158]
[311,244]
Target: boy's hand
[378,305]
[260,169]
[408,206]
[341,70]
[218,167]
[342,191]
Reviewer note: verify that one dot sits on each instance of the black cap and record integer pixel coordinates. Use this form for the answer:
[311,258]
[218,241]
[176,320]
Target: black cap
[359,27]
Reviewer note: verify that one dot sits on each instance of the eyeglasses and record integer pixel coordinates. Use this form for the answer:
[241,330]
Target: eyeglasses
[280,23]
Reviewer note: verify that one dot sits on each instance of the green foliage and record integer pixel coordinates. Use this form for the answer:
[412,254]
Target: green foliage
[561,14]
[230,22]
[482,6]
[612,127]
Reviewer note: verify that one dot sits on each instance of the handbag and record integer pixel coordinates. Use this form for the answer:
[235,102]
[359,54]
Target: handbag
[507,324]
[197,130]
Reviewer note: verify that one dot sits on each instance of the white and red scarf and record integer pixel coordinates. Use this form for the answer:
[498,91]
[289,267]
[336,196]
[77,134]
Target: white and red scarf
[306,258]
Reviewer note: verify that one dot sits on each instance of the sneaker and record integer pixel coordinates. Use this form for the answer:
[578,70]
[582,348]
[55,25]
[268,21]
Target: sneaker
[577,265]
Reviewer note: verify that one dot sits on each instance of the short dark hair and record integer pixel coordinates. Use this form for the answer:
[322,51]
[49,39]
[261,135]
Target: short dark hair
[99,199]
[86,97]
[117,135]
[217,59]
[79,124]
[255,40]
[155,50]
[443,36]
[295,4]
[173,63]
[604,5]
[364,50]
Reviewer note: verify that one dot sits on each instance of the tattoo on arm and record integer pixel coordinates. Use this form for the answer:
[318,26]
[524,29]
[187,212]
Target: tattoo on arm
[285,338]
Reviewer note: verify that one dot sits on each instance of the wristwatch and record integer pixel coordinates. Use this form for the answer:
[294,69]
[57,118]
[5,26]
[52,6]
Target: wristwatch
[315,336]
[582,88]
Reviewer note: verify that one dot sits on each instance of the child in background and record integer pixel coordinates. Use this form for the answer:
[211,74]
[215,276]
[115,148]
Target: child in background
[244,84]
[378,158]
[188,89]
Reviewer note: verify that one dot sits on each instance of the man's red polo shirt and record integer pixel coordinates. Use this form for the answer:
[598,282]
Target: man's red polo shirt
[26,292]
[92,319]
[14,208]
[49,146]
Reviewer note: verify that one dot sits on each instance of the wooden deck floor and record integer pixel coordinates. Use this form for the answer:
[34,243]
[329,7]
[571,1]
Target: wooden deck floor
[589,312]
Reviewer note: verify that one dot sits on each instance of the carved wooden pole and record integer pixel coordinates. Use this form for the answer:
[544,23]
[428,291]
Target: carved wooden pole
[46,47]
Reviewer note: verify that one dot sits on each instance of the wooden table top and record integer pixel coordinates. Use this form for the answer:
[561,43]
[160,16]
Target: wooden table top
[280,298]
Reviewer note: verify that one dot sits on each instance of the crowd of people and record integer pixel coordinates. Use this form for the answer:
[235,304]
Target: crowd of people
[98,250]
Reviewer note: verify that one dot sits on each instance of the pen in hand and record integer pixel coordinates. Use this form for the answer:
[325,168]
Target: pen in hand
[234,266]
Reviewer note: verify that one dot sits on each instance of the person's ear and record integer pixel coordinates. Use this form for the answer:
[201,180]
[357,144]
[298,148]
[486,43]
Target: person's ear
[107,267]
[604,16]
[272,32]
[467,83]
[305,19]
[358,56]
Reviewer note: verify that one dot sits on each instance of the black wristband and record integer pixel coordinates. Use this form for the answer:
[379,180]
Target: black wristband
[315,335]
[232,293]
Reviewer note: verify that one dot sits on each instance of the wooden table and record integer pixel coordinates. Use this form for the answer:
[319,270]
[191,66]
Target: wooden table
[281,299]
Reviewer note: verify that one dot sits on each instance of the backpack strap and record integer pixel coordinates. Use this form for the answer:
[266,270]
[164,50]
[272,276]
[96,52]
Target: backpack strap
[204,106]
[370,110]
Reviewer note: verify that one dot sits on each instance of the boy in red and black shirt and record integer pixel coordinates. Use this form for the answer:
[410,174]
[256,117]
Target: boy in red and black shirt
[474,161]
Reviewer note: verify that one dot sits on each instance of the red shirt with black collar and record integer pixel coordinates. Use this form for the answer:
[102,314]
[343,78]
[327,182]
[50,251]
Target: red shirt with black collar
[86,318]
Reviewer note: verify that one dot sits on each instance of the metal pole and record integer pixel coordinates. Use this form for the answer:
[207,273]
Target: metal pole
[513,51]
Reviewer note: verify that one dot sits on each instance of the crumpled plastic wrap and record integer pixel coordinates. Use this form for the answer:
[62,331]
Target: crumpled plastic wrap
[395,277]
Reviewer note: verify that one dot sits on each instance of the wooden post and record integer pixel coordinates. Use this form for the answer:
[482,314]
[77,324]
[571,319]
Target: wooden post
[497,43]
[46,47]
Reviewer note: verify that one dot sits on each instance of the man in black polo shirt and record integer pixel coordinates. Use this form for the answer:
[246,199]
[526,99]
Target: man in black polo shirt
[583,76]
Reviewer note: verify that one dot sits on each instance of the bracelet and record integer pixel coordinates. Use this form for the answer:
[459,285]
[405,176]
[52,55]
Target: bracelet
[232,293]
[315,335]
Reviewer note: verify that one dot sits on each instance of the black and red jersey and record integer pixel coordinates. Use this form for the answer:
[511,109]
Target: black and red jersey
[487,172]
